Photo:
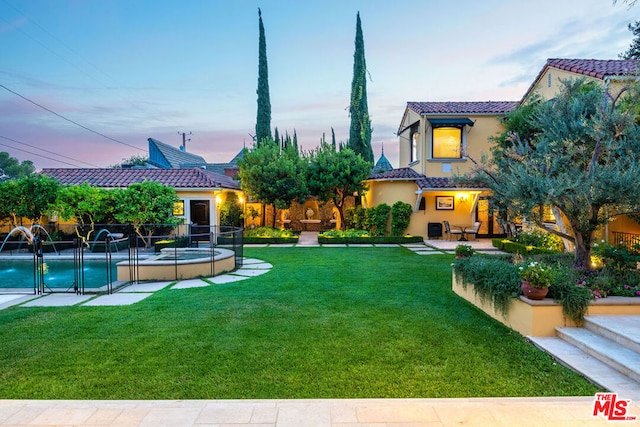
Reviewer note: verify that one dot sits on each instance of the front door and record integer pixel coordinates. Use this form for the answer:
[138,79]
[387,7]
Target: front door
[200,218]
[489,226]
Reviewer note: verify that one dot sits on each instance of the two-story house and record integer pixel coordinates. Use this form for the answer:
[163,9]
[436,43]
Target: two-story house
[436,141]
[439,139]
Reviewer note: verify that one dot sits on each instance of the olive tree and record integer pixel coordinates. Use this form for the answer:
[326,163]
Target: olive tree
[580,156]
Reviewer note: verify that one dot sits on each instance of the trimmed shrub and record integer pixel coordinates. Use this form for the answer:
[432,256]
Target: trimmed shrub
[267,235]
[356,218]
[540,239]
[519,248]
[377,218]
[400,217]
[362,237]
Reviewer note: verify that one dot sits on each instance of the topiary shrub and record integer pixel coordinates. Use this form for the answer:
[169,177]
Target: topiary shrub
[400,217]
[356,218]
[377,218]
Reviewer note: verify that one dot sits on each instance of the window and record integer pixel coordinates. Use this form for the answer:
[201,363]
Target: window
[415,135]
[447,143]
[178,208]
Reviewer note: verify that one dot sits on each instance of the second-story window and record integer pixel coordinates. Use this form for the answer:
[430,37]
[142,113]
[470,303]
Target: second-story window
[447,143]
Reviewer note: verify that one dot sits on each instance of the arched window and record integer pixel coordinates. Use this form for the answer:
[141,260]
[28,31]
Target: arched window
[415,136]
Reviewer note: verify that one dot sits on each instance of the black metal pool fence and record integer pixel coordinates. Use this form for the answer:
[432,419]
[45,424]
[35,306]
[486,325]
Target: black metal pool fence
[108,244]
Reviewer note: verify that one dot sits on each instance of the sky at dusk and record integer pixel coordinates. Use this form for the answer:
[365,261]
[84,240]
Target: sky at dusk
[84,83]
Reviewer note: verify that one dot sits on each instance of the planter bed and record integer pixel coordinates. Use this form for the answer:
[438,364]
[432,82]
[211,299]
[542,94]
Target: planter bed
[371,240]
[541,318]
[270,240]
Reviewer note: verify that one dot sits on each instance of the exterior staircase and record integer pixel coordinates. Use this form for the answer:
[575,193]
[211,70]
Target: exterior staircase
[606,350]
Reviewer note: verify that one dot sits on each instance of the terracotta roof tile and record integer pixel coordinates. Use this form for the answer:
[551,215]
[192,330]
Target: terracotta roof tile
[423,182]
[112,178]
[399,174]
[599,68]
[480,107]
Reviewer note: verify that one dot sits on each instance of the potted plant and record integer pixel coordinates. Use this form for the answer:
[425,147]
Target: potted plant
[536,278]
[464,251]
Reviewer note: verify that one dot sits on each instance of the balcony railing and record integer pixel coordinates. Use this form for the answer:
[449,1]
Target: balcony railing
[629,240]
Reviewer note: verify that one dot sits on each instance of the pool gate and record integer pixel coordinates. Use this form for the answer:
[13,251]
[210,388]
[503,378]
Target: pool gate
[137,248]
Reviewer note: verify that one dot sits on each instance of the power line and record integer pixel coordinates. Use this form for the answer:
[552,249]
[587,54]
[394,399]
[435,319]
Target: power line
[184,140]
[69,120]
[39,155]
[52,36]
[47,151]
[75,53]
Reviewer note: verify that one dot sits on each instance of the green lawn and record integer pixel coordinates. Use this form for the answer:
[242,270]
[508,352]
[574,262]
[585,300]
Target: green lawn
[323,323]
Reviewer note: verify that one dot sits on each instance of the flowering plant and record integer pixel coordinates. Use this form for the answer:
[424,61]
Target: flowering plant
[464,250]
[539,275]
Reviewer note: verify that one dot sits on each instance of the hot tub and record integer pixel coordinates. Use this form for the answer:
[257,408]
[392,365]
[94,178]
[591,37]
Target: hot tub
[181,263]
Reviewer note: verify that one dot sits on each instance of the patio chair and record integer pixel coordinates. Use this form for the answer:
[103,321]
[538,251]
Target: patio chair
[449,231]
[473,231]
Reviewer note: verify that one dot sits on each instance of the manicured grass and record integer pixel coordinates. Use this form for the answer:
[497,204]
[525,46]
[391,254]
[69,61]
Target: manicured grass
[323,323]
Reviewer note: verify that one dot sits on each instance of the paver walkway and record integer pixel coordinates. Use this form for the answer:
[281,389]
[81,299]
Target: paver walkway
[503,412]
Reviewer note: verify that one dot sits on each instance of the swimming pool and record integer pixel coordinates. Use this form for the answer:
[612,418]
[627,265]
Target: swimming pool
[59,273]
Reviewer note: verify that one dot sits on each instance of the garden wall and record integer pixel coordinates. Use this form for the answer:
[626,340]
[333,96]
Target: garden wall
[541,318]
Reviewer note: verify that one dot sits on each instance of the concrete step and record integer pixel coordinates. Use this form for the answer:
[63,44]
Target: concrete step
[604,349]
[624,330]
[596,371]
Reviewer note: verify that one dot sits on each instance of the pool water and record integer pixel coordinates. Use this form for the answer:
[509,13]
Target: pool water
[58,273]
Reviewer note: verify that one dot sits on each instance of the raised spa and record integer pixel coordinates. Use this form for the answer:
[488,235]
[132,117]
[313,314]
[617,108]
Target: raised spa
[181,263]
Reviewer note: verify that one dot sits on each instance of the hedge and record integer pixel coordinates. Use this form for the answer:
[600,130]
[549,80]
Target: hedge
[371,240]
[519,248]
[270,240]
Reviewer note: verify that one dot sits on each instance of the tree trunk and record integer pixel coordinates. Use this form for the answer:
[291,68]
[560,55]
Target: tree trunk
[561,227]
[273,222]
[339,204]
[343,224]
[582,259]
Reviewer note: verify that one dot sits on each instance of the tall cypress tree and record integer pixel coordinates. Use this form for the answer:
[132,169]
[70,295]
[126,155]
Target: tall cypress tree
[333,139]
[263,120]
[360,130]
